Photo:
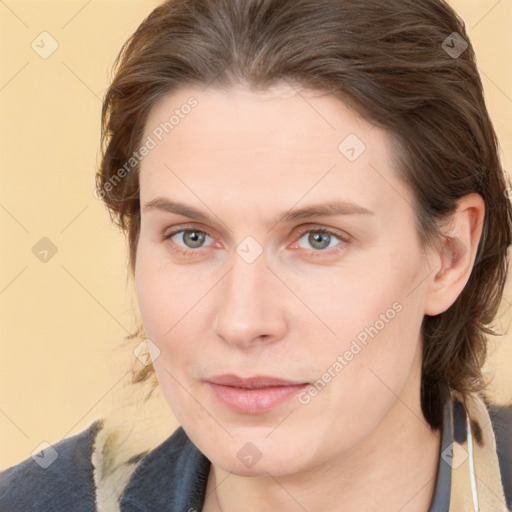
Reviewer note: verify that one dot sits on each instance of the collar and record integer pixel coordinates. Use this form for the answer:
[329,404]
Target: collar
[176,470]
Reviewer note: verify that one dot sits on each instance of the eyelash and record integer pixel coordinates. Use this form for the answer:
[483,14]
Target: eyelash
[193,252]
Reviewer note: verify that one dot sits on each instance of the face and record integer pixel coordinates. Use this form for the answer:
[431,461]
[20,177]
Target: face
[277,242]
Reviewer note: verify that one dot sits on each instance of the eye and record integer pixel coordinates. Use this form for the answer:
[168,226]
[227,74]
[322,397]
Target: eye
[188,238]
[319,239]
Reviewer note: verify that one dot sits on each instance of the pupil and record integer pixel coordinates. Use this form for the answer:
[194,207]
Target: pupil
[193,239]
[319,240]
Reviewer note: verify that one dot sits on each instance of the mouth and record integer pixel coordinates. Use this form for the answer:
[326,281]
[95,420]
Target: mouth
[253,395]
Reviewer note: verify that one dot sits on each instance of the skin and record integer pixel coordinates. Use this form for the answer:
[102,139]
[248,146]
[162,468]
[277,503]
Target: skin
[245,158]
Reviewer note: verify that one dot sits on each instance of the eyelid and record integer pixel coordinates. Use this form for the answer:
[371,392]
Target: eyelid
[322,229]
[172,230]
[343,238]
[180,229]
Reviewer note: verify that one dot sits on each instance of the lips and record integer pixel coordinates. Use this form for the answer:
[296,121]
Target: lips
[253,395]
[252,382]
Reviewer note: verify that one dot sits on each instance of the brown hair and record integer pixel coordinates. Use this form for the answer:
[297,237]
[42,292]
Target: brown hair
[394,62]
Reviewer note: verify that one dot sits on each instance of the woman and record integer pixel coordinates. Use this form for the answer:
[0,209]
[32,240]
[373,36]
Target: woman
[318,223]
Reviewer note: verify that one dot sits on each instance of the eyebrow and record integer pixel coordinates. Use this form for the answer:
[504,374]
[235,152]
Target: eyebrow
[316,210]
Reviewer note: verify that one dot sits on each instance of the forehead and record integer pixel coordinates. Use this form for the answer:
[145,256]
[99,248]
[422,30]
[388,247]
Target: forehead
[281,144]
[300,123]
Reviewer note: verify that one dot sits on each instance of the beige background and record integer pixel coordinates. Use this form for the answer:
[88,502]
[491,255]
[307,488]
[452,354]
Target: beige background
[61,364]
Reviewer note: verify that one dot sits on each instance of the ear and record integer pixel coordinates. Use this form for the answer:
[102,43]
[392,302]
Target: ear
[454,260]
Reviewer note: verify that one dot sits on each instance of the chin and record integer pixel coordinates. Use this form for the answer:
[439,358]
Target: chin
[259,457]
[272,467]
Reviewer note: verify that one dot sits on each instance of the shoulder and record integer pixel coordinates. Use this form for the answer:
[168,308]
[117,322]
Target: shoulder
[59,478]
[501,419]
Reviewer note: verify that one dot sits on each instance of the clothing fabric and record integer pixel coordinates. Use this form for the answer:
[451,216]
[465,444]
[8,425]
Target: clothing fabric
[94,473]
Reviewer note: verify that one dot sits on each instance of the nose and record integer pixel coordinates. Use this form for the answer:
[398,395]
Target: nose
[250,305]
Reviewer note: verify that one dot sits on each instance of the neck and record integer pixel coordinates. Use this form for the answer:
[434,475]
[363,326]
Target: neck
[392,469]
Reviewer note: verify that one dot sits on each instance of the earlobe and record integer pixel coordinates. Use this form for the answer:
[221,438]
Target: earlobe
[457,255]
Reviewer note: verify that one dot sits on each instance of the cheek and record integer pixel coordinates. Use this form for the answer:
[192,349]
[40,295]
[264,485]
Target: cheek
[173,302]
[167,299]
[166,294]
[377,320]
[362,305]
